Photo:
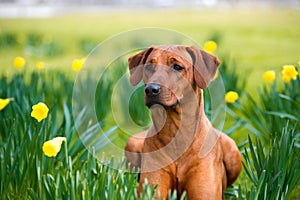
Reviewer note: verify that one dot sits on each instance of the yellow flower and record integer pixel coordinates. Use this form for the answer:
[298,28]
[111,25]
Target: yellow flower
[289,72]
[19,62]
[286,79]
[210,46]
[77,64]
[40,65]
[231,97]
[5,102]
[269,76]
[52,147]
[39,111]
[298,63]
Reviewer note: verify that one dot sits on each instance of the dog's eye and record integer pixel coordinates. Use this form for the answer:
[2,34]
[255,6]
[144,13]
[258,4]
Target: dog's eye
[177,67]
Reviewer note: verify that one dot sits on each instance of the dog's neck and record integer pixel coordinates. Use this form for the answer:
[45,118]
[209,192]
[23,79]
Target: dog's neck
[180,122]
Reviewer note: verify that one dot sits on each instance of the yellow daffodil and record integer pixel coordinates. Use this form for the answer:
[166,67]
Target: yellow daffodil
[40,65]
[210,46]
[286,79]
[289,72]
[5,102]
[52,147]
[77,64]
[269,76]
[39,111]
[231,97]
[19,62]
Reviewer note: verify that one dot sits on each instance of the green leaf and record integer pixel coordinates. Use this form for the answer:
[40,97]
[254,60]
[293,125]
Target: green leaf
[282,115]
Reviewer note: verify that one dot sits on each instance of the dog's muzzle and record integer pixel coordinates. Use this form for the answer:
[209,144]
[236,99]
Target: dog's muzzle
[154,95]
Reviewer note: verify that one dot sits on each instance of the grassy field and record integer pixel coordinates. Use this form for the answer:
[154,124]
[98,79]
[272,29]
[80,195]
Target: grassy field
[250,41]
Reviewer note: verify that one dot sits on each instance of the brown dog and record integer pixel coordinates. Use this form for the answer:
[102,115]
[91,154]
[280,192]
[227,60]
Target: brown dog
[181,150]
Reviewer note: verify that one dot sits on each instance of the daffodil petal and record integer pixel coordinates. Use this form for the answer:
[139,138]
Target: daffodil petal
[231,97]
[5,102]
[52,147]
[39,111]
[19,62]
[210,46]
[289,72]
[269,76]
[77,64]
[49,149]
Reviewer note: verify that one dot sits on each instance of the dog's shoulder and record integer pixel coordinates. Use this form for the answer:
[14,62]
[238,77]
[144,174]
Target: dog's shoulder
[228,144]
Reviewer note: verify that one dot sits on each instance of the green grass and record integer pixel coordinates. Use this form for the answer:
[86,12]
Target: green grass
[273,181]
[75,172]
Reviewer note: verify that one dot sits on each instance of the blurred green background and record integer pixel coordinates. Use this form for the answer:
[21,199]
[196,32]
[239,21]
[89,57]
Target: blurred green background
[257,39]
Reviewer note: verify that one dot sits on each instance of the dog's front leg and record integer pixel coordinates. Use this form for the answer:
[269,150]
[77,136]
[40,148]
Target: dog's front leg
[232,159]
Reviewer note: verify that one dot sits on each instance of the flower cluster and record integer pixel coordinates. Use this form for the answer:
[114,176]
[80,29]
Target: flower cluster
[40,110]
[289,72]
[50,147]
[19,62]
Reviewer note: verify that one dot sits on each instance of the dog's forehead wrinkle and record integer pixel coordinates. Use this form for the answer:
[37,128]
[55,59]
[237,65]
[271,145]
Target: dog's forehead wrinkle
[176,51]
[179,55]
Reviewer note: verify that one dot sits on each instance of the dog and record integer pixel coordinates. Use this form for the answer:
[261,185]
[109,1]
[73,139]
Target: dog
[181,150]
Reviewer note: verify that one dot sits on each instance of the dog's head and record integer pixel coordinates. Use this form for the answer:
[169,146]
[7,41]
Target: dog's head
[169,70]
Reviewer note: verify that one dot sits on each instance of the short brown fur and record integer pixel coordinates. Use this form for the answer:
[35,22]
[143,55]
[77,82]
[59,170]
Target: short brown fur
[170,154]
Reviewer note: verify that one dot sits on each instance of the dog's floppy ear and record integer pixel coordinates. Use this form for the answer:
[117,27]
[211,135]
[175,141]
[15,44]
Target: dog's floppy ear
[205,66]
[136,63]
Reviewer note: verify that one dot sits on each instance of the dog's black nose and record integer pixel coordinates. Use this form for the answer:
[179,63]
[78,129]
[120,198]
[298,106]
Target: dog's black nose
[152,89]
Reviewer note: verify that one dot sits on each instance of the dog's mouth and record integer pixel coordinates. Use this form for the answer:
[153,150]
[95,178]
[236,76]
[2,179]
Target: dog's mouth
[149,104]
[167,101]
